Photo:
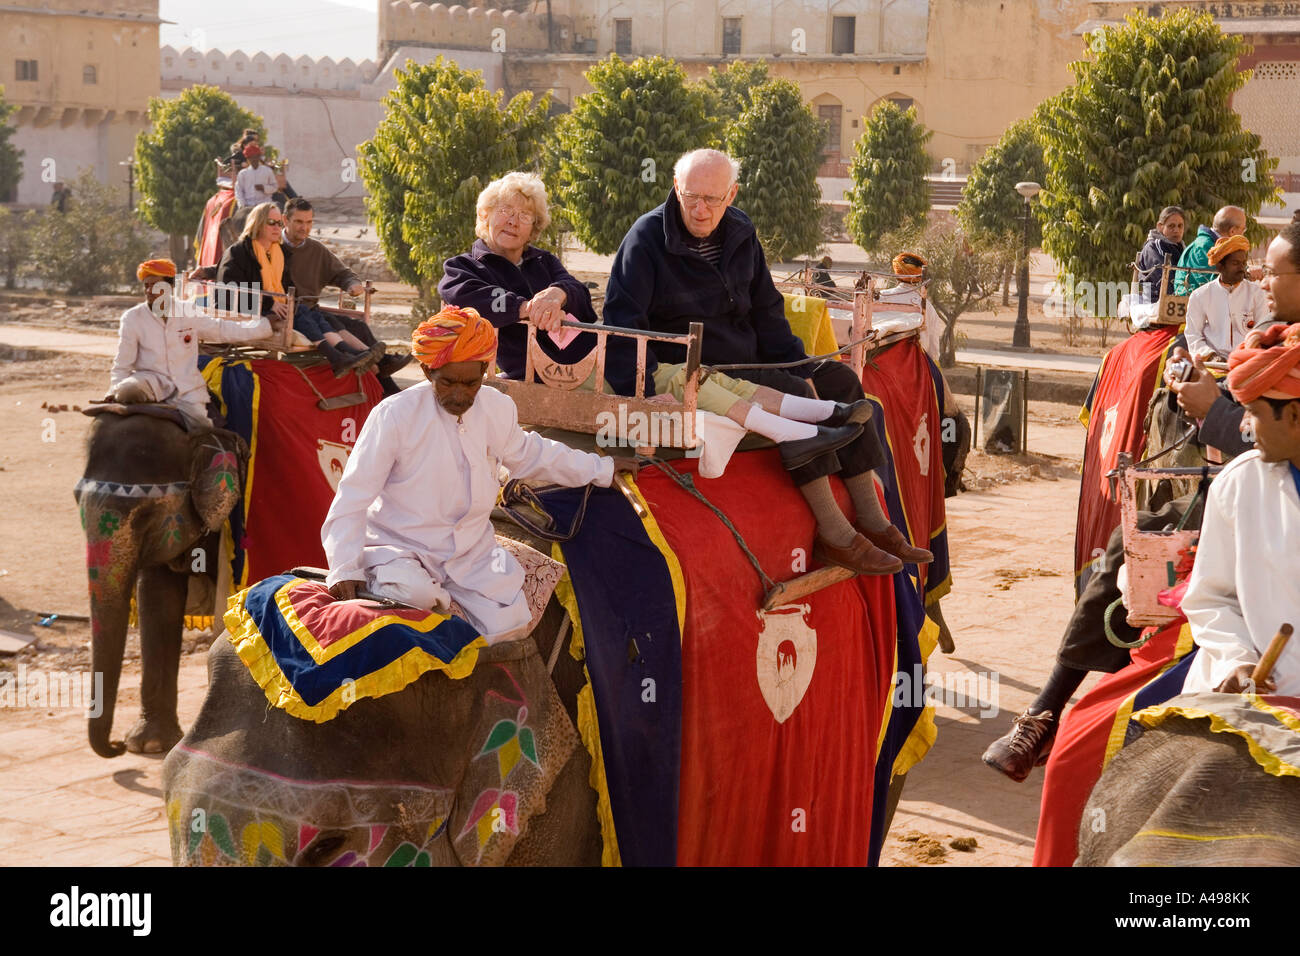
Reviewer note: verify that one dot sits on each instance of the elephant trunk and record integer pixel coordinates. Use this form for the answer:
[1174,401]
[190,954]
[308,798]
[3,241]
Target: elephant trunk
[111,564]
[108,642]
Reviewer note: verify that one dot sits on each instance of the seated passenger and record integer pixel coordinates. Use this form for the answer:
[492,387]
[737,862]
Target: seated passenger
[255,264]
[411,520]
[1228,221]
[506,278]
[1166,239]
[311,267]
[1243,585]
[1222,312]
[158,347]
[696,258]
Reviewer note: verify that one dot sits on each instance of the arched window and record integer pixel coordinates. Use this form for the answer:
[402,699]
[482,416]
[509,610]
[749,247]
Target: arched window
[89,76]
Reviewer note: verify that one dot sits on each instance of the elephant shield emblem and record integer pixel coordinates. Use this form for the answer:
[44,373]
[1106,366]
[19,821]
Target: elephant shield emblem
[921,444]
[333,458]
[787,655]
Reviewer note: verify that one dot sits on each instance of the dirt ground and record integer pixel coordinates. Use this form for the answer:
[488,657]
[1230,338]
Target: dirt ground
[60,804]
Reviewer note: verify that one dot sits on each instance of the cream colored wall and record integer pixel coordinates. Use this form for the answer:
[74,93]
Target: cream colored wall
[63,124]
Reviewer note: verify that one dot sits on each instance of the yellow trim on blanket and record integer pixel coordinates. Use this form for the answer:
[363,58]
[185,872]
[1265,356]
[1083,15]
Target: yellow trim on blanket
[1210,838]
[925,732]
[1085,416]
[252,461]
[1284,717]
[253,650]
[323,654]
[1117,730]
[588,725]
[939,591]
[1271,763]
[656,535]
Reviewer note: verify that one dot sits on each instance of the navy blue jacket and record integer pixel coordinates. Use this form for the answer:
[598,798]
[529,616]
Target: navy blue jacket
[1150,261]
[495,287]
[658,283]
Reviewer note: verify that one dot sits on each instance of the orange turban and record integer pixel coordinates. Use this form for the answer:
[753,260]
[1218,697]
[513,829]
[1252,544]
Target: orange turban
[1226,245]
[908,267]
[1269,371]
[156,267]
[454,335]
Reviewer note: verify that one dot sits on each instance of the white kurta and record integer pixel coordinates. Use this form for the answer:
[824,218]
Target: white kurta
[421,484]
[164,355]
[1244,584]
[1218,319]
[246,183]
[908,294]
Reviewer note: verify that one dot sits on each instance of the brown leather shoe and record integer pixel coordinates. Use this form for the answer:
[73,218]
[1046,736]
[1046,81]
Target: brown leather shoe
[1026,746]
[860,556]
[891,540]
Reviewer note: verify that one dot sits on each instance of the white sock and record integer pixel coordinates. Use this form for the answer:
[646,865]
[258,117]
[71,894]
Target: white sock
[775,427]
[806,409]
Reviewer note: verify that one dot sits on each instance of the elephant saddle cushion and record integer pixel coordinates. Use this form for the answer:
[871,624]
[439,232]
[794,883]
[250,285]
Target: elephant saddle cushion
[314,656]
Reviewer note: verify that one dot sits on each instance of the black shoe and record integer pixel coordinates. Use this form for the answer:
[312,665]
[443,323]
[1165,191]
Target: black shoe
[796,454]
[392,362]
[340,361]
[856,413]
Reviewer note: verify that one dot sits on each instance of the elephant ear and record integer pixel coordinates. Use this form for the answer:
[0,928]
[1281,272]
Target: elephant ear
[218,465]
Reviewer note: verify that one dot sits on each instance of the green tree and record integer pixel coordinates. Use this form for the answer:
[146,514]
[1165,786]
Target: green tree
[174,159]
[731,89]
[1146,124]
[888,171]
[778,143]
[17,240]
[444,136]
[91,248]
[619,147]
[11,158]
[990,205]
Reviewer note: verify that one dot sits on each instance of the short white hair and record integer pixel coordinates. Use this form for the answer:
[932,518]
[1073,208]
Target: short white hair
[688,160]
[528,186]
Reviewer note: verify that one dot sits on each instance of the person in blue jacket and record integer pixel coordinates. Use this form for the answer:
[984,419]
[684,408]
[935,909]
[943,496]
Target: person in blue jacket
[696,258]
[1166,239]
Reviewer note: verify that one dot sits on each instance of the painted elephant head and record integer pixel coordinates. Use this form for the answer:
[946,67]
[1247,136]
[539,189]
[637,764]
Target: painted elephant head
[148,494]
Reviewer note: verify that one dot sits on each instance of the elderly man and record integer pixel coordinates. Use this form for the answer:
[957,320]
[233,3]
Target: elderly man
[310,267]
[411,518]
[1222,312]
[158,347]
[1228,221]
[696,258]
[255,183]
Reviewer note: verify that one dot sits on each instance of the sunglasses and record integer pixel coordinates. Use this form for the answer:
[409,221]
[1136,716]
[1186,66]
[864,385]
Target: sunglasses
[278,223]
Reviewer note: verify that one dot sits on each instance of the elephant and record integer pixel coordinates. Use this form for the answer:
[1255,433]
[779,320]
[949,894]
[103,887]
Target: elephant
[150,493]
[1178,794]
[437,773]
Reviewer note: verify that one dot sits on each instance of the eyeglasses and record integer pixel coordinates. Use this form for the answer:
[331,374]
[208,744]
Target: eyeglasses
[278,223]
[1270,274]
[690,199]
[518,215]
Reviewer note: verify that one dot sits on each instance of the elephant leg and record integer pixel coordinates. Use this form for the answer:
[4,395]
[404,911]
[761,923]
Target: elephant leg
[162,614]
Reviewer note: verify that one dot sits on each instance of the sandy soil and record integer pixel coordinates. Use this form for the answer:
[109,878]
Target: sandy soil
[60,804]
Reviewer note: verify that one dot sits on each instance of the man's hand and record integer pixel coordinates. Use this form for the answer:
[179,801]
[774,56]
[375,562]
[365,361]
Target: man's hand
[1255,273]
[281,309]
[663,398]
[625,465]
[1199,393]
[1239,682]
[356,289]
[546,309]
[346,590]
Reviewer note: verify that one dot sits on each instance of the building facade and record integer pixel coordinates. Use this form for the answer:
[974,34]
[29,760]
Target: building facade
[81,75]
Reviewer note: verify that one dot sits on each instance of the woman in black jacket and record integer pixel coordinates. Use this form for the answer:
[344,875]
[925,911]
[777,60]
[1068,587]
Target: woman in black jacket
[256,266]
[1166,239]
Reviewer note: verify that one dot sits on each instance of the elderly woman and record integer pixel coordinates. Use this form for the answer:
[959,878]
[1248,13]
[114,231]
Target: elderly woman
[505,278]
[1166,239]
[258,259]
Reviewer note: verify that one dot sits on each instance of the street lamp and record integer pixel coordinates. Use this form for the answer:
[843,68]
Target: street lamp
[1020,337]
[130,183]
